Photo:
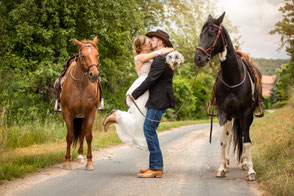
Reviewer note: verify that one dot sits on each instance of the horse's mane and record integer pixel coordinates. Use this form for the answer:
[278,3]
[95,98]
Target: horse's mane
[89,42]
[227,37]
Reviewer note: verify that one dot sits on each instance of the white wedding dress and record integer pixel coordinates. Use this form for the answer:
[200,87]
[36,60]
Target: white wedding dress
[129,126]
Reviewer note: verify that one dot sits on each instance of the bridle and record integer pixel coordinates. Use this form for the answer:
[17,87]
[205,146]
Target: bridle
[80,57]
[209,50]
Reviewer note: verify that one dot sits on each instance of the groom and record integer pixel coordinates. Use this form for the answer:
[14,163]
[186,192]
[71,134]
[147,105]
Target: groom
[161,97]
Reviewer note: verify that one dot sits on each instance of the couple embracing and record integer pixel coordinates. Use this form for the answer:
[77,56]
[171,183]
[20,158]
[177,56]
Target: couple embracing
[153,93]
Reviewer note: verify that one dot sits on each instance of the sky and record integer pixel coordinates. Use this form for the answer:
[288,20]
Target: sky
[255,19]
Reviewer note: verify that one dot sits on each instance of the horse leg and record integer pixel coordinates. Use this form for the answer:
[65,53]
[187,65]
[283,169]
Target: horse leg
[80,158]
[224,142]
[243,160]
[246,122]
[90,164]
[88,130]
[69,140]
[229,134]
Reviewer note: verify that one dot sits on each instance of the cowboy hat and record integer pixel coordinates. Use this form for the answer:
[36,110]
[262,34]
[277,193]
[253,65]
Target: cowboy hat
[161,35]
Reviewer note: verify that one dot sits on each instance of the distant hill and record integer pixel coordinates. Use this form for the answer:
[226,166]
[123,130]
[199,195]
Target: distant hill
[268,66]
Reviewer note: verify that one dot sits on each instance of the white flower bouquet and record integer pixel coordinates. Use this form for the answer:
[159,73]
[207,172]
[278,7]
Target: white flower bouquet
[175,60]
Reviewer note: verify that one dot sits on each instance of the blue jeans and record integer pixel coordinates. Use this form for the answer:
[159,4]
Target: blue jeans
[155,157]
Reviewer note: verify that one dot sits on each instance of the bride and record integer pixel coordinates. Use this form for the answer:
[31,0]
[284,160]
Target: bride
[129,125]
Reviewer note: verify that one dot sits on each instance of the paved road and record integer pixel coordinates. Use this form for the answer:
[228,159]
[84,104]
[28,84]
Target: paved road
[190,167]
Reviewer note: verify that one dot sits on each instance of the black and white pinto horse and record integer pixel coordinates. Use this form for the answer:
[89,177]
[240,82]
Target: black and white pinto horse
[234,94]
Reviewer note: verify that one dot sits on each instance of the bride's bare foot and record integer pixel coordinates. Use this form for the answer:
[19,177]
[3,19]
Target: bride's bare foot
[110,118]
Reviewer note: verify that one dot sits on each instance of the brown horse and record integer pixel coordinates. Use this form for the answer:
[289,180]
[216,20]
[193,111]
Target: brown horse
[80,98]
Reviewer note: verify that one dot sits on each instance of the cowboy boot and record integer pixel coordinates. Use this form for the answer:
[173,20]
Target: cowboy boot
[110,118]
[151,174]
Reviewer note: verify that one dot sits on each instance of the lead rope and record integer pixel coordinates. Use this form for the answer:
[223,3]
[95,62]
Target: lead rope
[197,72]
[211,124]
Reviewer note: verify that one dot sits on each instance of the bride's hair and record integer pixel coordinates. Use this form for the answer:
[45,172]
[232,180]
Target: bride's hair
[138,43]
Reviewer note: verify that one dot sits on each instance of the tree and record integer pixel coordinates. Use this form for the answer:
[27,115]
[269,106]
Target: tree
[285,28]
[285,75]
[37,37]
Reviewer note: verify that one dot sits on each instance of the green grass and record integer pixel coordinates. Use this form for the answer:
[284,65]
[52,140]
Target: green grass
[20,166]
[273,150]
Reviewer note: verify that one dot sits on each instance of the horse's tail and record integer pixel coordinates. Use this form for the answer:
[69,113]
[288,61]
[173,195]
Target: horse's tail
[77,130]
[238,138]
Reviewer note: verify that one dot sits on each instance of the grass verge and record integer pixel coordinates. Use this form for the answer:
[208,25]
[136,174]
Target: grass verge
[273,150]
[19,162]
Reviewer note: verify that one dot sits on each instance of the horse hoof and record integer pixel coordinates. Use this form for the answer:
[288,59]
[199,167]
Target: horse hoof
[244,167]
[80,159]
[67,166]
[90,167]
[226,169]
[252,177]
[220,174]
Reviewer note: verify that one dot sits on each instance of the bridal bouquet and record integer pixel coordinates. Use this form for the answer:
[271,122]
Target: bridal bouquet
[175,60]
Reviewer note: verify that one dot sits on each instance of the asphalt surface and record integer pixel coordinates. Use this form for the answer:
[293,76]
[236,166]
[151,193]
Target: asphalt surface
[190,164]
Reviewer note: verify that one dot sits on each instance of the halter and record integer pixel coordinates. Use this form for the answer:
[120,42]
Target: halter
[81,60]
[209,50]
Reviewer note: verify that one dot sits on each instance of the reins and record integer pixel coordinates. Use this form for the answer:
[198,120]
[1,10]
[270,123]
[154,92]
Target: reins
[197,72]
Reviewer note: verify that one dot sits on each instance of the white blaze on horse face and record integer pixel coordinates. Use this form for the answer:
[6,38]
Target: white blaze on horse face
[223,55]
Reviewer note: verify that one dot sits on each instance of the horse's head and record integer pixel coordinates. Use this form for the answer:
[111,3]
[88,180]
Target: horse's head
[211,41]
[89,58]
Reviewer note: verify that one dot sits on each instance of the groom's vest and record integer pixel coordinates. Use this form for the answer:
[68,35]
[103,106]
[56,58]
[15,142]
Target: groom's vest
[159,84]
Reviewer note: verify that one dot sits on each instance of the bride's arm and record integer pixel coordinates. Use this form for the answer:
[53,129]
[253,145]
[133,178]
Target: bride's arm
[139,60]
[145,57]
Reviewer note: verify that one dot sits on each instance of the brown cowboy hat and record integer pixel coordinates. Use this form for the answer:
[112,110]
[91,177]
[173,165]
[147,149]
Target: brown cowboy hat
[161,35]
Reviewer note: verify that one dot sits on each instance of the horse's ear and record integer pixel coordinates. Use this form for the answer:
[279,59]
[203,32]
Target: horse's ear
[209,18]
[220,19]
[95,39]
[78,42]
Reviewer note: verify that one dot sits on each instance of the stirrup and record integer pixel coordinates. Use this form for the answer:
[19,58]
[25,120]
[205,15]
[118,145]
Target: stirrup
[101,104]
[261,114]
[57,107]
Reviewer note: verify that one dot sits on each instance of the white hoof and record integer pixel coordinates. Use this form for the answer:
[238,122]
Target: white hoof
[221,174]
[67,166]
[251,177]
[80,159]
[226,169]
[90,167]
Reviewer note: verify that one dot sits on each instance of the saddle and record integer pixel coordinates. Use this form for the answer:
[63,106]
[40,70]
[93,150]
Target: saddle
[255,76]
[67,64]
